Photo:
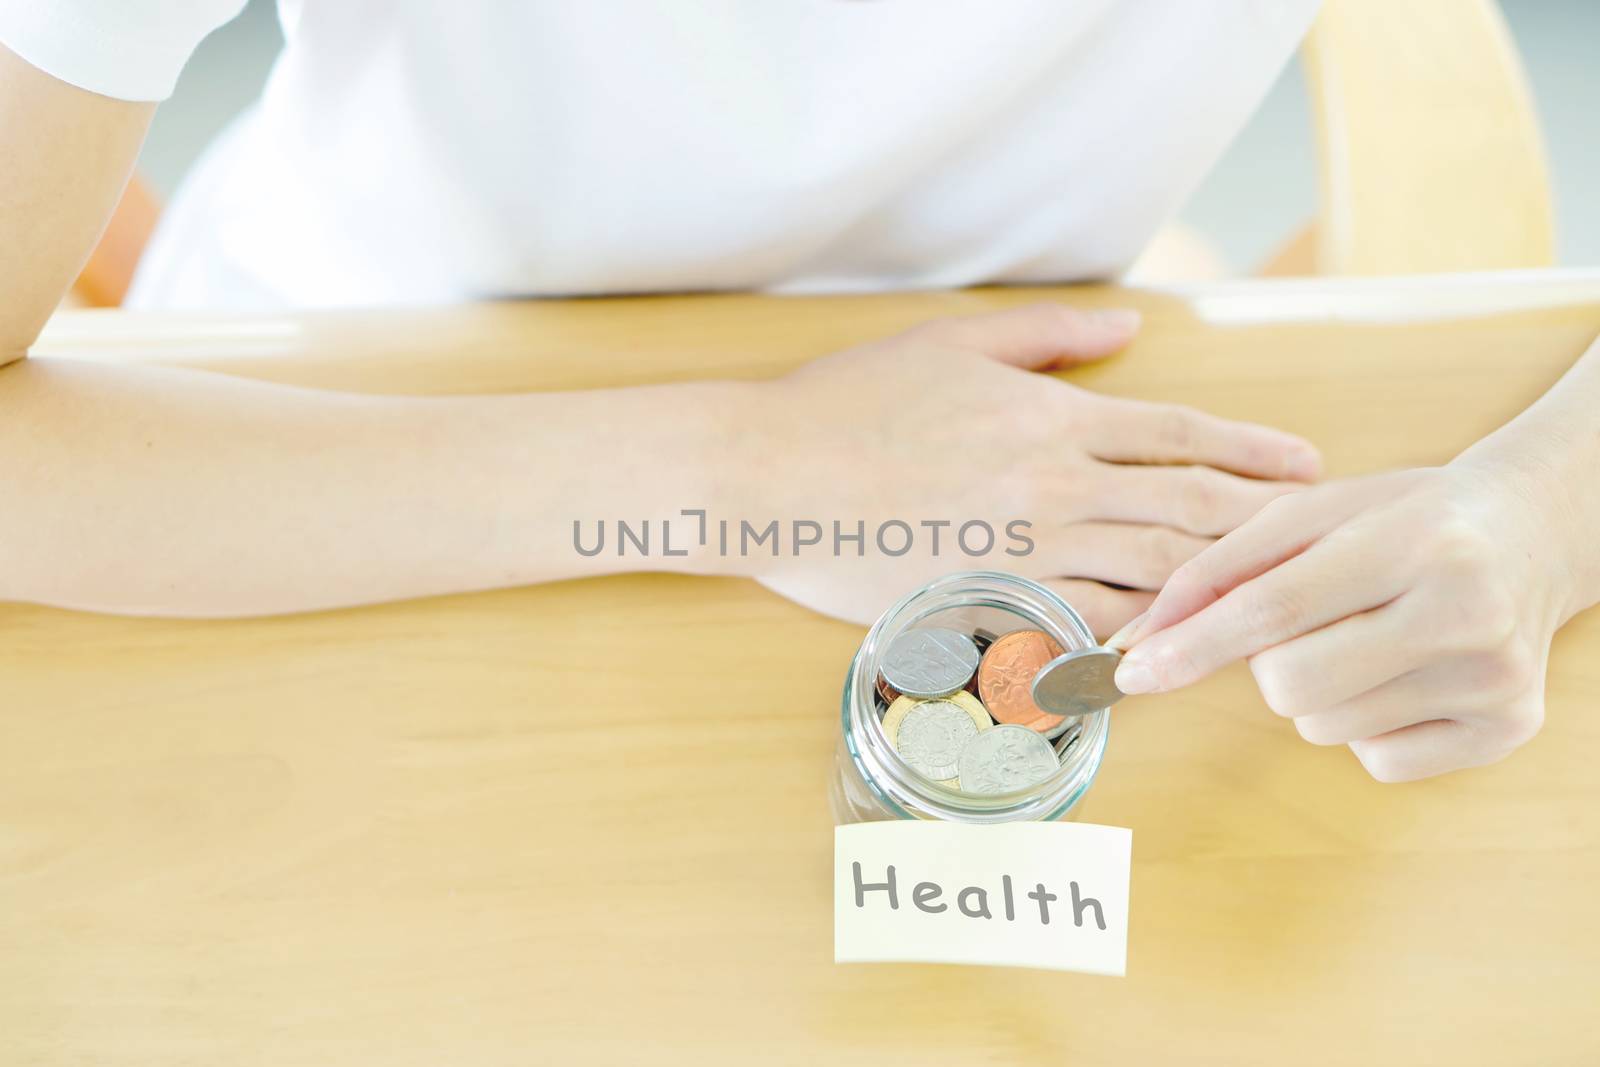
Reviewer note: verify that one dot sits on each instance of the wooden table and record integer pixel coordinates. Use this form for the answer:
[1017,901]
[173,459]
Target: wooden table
[535,827]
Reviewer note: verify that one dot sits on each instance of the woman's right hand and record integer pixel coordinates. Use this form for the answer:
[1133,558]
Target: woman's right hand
[948,422]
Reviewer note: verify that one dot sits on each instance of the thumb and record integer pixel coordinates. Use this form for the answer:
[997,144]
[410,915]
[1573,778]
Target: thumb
[1042,336]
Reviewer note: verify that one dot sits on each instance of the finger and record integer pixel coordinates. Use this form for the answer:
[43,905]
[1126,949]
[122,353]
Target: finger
[1198,500]
[1040,336]
[1104,609]
[1317,670]
[1135,555]
[1283,528]
[1329,581]
[1136,431]
[1457,687]
[1357,722]
[1420,751]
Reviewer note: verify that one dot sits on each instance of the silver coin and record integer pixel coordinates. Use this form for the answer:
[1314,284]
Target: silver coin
[1078,683]
[1005,758]
[1057,730]
[1070,732]
[931,736]
[930,662]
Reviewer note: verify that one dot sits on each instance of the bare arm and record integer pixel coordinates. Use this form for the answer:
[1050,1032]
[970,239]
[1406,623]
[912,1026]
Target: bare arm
[172,492]
[68,155]
[163,491]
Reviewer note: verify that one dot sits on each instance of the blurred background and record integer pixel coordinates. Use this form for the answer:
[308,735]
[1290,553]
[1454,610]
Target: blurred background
[1263,190]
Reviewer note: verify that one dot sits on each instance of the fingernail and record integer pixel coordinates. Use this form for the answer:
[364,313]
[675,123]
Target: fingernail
[1123,639]
[1133,676]
[1121,319]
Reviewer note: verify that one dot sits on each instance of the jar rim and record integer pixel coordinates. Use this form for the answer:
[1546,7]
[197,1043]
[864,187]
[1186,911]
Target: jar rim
[895,783]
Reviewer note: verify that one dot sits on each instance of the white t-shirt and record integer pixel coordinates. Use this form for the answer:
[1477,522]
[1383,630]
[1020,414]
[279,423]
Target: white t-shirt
[411,150]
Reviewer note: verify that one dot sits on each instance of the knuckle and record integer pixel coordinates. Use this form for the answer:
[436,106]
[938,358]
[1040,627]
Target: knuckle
[1522,722]
[1318,730]
[1383,762]
[1459,551]
[1198,501]
[1519,722]
[1280,610]
[1191,582]
[1284,687]
[1161,553]
[1509,670]
[1175,429]
[1473,608]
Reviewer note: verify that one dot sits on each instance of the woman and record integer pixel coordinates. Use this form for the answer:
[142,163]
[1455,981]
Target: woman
[407,152]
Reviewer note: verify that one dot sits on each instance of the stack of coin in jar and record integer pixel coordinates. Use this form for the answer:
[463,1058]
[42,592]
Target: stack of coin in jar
[959,708]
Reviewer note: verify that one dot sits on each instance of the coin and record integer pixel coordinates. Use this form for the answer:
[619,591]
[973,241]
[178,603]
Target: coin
[1071,734]
[902,707]
[1057,730]
[973,707]
[879,706]
[930,738]
[1004,759]
[886,692]
[929,662]
[1005,679]
[1078,682]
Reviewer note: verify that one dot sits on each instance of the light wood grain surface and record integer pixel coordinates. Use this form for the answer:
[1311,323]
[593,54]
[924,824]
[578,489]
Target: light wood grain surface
[586,823]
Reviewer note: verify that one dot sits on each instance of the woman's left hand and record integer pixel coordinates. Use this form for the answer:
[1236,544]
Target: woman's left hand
[1408,615]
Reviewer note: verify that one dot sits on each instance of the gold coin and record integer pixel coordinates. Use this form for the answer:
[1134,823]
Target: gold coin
[961,699]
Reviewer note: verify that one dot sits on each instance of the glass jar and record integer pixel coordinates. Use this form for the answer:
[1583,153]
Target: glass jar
[871,781]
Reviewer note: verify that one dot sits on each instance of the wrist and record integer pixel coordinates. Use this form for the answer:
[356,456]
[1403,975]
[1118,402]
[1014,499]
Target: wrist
[601,482]
[1545,477]
[711,469]
[765,468]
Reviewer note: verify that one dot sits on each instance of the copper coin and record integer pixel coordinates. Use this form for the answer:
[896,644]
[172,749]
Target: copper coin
[888,692]
[879,708]
[1005,678]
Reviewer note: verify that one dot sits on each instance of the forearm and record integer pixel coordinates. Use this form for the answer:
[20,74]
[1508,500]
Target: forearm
[155,491]
[1555,447]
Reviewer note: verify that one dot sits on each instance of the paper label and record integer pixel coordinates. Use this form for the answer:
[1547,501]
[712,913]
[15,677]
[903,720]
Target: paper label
[1021,894]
